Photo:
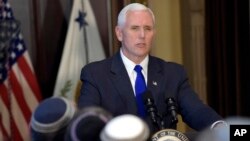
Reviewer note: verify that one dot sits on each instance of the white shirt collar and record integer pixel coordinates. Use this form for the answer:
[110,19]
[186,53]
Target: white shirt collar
[129,65]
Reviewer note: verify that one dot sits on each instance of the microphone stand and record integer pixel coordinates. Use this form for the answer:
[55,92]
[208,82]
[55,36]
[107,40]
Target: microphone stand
[155,116]
[172,108]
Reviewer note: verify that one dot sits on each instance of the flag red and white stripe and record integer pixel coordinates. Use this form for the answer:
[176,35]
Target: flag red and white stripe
[19,90]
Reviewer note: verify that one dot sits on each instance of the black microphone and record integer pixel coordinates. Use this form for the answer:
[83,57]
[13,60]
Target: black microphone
[152,110]
[172,108]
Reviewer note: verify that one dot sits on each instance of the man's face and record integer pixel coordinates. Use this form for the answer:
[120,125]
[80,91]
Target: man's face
[136,35]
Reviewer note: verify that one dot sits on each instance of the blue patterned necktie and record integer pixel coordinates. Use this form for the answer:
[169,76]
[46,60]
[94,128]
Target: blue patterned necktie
[140,88]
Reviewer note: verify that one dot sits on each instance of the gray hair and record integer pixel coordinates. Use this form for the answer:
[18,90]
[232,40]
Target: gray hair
[132,7]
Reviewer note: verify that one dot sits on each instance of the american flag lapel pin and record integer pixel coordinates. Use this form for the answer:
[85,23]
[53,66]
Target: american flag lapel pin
[154,83]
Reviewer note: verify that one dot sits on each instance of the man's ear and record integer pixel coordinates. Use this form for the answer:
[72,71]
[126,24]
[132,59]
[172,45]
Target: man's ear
[118,32]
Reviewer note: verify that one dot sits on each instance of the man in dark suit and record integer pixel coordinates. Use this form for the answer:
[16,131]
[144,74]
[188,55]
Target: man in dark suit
[110,83]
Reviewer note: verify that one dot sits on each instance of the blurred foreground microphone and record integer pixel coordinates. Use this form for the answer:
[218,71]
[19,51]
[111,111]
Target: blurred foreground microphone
[172,109]
[152,110]
[50,119]
[125,128]
[87,124]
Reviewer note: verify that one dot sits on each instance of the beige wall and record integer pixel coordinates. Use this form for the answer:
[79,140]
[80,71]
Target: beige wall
[167,44]
[180,38]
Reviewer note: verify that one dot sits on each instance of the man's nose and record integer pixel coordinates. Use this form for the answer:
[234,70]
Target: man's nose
[142,33]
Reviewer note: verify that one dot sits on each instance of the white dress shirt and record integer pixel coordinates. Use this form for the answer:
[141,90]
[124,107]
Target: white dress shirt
[130,65]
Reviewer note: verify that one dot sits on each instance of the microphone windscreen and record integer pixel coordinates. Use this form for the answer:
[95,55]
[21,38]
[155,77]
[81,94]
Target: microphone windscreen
[50,118]
[87,124]
[125,128]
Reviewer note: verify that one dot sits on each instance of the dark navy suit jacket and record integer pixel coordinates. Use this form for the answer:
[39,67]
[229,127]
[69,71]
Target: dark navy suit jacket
[106,84]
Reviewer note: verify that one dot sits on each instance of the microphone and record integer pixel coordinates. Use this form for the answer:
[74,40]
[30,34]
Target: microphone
[152,110]
[172,108]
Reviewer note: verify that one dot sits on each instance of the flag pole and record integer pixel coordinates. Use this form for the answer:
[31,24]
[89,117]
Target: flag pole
[85,35]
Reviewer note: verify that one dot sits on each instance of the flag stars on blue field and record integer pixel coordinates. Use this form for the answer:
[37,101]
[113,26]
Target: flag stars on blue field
[13,25]
[20,47]
[5,11]
[13,55]
[81,19]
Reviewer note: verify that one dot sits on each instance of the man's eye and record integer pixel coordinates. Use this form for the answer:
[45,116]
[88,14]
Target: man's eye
[134,28]
[148,28]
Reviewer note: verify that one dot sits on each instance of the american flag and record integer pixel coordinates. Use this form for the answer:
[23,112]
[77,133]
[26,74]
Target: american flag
[19,90]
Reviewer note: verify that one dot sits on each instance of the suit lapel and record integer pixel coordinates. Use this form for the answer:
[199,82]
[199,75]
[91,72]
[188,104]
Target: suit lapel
[122,84]
[155,78]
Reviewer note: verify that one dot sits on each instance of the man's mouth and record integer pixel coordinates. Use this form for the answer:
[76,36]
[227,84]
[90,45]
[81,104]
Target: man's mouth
[140,44]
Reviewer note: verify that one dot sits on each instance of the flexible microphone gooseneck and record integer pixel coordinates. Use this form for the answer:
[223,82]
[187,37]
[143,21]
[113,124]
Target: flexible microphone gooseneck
[152,110]
[172,108]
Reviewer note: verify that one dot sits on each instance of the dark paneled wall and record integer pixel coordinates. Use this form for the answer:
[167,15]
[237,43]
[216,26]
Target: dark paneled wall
[228,51]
